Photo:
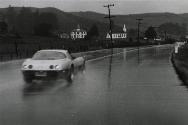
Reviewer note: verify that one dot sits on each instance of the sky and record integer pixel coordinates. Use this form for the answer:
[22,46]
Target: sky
[121,6]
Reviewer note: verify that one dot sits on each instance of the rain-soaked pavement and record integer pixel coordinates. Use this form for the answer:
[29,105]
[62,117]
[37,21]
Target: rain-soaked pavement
[123,90]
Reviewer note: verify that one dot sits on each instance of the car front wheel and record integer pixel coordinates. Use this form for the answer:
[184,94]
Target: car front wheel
[28,79]
[70,76]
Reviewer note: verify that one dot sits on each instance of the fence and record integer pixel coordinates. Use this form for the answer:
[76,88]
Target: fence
[23,48]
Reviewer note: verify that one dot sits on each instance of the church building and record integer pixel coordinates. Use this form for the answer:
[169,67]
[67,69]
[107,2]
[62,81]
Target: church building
[78,33]
[120,35]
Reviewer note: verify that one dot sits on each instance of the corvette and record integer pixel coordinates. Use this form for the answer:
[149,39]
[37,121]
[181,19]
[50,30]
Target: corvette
[51,64]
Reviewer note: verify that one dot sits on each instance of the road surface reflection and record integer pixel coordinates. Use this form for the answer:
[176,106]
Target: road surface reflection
[113,91]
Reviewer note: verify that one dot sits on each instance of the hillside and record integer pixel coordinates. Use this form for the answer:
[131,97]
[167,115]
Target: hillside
[154,19]
[68,21]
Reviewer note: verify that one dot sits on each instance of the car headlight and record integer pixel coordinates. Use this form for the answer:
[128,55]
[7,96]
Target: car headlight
[51,66]
[24,66]
[57,67]
[30,66]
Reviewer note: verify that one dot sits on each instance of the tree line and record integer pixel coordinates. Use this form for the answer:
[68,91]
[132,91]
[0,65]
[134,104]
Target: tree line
[27,22]
[165,30]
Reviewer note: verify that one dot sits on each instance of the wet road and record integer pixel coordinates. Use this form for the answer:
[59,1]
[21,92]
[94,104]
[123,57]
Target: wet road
[123,90]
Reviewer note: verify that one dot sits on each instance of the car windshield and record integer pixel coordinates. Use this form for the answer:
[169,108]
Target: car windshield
[48,55]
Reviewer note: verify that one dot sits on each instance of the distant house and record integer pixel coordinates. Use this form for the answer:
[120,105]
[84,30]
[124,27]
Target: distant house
[63,35]
[119,35]
[186,36]
[78,33]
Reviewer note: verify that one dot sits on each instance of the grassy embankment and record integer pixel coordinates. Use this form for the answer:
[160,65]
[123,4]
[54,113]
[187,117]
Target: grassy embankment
[180,63]
[11,49]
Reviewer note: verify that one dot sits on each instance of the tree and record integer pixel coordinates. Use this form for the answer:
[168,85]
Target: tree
[132,33]
[150,33]
[36,19]
[45,23]
[11,18]
[43,29]
[93,32]
[3,27]
[25,21]
[49,18]
[183,29]
[173,28]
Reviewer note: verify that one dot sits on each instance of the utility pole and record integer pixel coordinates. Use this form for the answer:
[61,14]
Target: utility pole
[110,22]
[155,27]
[138,37]
[111,41]
[165,35]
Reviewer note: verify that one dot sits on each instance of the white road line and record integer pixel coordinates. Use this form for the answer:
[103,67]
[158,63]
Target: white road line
[133,49]
[12,62]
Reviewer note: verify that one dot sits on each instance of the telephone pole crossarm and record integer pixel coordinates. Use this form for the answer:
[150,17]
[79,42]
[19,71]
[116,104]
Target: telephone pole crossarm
[109,5]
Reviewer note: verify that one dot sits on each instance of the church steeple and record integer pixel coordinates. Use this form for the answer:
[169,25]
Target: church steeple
[124,28]
[78,26]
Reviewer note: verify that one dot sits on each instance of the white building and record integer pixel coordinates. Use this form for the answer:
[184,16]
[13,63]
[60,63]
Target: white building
[121,35]
[63,35]
[78,33]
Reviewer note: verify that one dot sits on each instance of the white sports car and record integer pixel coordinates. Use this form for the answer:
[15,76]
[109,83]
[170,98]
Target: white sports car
[47,64]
